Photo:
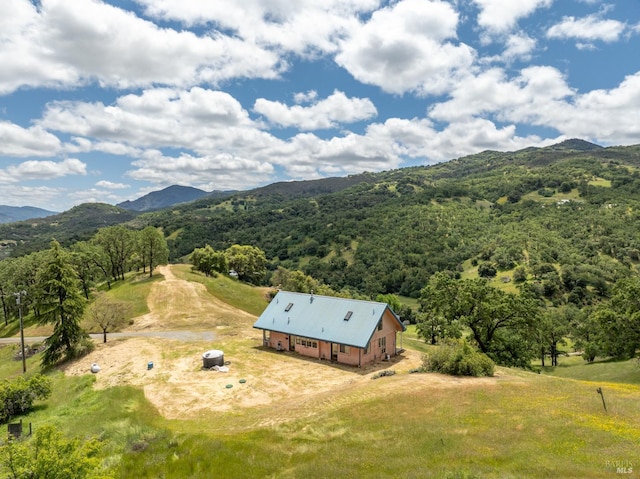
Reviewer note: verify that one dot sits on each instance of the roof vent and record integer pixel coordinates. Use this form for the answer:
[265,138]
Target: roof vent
[289,306]
[348,315]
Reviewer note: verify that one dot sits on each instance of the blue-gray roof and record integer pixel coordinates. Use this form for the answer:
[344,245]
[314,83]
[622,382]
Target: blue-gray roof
[323,318]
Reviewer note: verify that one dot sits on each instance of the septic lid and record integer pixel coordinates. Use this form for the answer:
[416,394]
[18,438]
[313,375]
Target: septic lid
[214,353]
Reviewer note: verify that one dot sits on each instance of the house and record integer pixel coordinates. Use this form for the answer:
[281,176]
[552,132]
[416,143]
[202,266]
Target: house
[343,330]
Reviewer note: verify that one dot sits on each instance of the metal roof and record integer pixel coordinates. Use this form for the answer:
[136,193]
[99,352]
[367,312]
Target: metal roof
[323,318]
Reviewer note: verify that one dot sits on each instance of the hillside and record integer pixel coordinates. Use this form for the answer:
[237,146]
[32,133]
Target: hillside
[564,213]
[10,214]
[279,414]
[571,205]
[77,224]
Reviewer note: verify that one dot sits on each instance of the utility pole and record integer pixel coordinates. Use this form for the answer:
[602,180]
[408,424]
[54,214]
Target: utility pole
[18,296]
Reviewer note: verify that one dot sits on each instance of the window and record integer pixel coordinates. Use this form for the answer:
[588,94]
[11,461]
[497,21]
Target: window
[348,315]
[345,349]
[307,343]
[368,350]
[289,306]
[380,326]
[382,344]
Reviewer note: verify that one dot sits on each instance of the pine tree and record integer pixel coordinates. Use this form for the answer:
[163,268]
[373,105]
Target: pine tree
[63,306]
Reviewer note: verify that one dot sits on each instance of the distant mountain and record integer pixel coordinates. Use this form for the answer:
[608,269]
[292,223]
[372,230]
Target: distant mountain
[157,200]
[10,214]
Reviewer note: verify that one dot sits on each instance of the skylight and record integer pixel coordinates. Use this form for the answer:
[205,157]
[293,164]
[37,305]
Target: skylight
[289,306]
[348,315]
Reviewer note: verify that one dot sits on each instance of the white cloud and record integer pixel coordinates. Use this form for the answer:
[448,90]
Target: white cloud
[540,96]
[419,139]
[222,172]
[304,27]
[518,47]
[591,28]
[407,47]
[608,116]
[501,16]
[17,141]
[197,119]
[44,197]
[71,43]
[492,92]
[335,110]
[110,185]
[305,97]
[43,170]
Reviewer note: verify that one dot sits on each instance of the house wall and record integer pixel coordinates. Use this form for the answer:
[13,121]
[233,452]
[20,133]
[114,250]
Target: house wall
[351,358]
[275,338]
[308,349]
[325,350]
[380,348]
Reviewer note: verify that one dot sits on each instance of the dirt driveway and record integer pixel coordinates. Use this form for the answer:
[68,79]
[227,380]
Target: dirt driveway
[261,387]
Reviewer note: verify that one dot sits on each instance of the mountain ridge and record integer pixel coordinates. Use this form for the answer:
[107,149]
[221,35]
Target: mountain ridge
[169,196]
[11,214]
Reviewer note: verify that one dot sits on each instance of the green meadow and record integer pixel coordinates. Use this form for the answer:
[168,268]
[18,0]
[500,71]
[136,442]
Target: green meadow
[517,425]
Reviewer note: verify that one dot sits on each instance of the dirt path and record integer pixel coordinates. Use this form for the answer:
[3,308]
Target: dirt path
[262,387]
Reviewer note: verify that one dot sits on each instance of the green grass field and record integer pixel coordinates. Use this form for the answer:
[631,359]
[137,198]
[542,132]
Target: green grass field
[525,426]
[519,425]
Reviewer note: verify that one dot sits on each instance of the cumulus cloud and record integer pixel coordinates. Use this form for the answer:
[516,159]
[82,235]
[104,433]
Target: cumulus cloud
[43,170]
[162,117]
[501,16]
[304,27]
[493,92]
[44,197]
[110,185]
[331,112]
[590,28]
[305,97]
[17,141]
[119,49]
[408,46]
[223,171]
[608,116]
[518,47]
[541,96]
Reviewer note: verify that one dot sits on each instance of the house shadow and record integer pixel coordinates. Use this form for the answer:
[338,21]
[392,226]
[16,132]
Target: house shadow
[374,367]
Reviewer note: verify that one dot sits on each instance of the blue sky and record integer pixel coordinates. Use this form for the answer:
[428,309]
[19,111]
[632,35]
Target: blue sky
[108,100]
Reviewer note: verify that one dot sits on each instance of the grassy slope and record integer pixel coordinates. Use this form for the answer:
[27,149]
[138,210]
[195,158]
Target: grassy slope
[523,425]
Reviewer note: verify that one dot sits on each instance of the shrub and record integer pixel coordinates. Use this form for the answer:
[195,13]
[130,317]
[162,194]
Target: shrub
[82,348]
[17,396]
[459,359]
[381,374]
[487,270]
[50,454]
[520,274]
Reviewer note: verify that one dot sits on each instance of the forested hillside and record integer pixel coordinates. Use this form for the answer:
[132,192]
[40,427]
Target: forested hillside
[77,224]
[567,213]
